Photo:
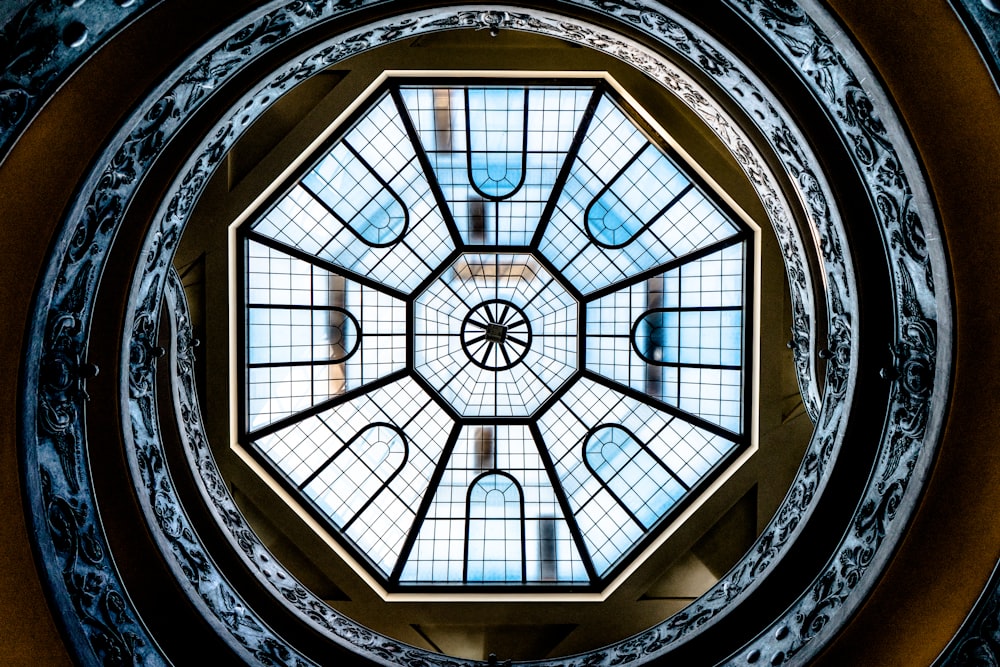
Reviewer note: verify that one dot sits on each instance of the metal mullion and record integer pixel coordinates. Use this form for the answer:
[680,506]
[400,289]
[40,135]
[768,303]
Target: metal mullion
[537,292]
[332,402]
[711,367]
[558,393]
[553,272]
[749,289]
[428,168]
[425,505]
[604,482]
[496,281]
[242,339]
[410,333]
[571,157]
[445,405]
[560,493]
[295,306]
[436,274]
[649,451]
[329,209]
[643,446]
[581,336]
[607,186]
[497,249]
[646,225]
[455,374]
[646,399]
[312,334]
[318,471]
[384,487]
[693,256]
[678,364]
[532,371]
[292,364]
[378,177]
[412,417]
[669,205]
[326,265]
[693,309]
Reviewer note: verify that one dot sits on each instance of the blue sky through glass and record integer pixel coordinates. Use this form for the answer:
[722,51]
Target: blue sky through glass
[494,334]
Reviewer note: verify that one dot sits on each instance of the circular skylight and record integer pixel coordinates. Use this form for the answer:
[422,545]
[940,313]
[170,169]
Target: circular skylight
[495,334]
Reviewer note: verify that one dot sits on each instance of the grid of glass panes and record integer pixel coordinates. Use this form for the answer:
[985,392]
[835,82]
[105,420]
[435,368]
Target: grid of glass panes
[495,517]
[674,455]
[433,473]
[496,151]
[678,336]
[366,464]
[626,207]
[441,311]
[305,339]
[366,206]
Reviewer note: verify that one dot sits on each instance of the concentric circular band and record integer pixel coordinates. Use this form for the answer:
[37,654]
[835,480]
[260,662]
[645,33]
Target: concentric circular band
[918,288]
[496,335]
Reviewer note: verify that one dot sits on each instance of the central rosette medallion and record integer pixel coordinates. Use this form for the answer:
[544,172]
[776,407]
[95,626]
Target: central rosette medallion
[495,334]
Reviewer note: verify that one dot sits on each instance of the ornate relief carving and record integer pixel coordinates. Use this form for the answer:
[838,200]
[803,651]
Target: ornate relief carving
[84,248]
[773,543]
[41,43]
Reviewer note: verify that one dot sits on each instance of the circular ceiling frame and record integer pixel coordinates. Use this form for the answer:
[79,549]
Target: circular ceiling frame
[911,350]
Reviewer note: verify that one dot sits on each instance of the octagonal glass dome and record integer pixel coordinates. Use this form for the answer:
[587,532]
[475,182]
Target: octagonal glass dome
[494,333]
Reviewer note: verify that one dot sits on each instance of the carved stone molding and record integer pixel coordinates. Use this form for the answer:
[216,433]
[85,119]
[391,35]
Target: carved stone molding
[102,624]
[42,41]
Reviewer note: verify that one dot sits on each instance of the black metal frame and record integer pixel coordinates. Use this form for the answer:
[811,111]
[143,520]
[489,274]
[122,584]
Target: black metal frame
[496,330]
[743,236]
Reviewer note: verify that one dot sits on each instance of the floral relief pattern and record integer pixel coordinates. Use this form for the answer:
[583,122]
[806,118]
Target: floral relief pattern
[58,439]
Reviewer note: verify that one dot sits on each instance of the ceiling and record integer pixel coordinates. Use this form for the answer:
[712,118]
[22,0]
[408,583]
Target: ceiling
[700,548]
[947,543]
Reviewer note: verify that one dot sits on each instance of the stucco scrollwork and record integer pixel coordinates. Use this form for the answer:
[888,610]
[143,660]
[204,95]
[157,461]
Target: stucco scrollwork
[56,442]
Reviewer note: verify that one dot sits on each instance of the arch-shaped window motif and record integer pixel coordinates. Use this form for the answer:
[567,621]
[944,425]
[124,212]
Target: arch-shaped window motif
[479,304]
[690,337]
[496,136]
[640,482]
[354,193]
[634,199]
[495,531]
[334,335]
[354,476]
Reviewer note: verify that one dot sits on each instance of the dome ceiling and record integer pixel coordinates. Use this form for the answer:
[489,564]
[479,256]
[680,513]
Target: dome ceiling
[495,334]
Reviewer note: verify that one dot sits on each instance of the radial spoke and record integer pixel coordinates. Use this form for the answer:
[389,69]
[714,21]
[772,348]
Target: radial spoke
[489,348]
[569,333]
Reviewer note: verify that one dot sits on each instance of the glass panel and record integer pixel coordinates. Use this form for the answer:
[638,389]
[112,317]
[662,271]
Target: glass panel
[675,454]
[367,479]
[305,339]
[678,337]
[353,279]
[495,541]
[495,176]
[495,335]
[366,206]
[638,481]
[626,208]
[495,544]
